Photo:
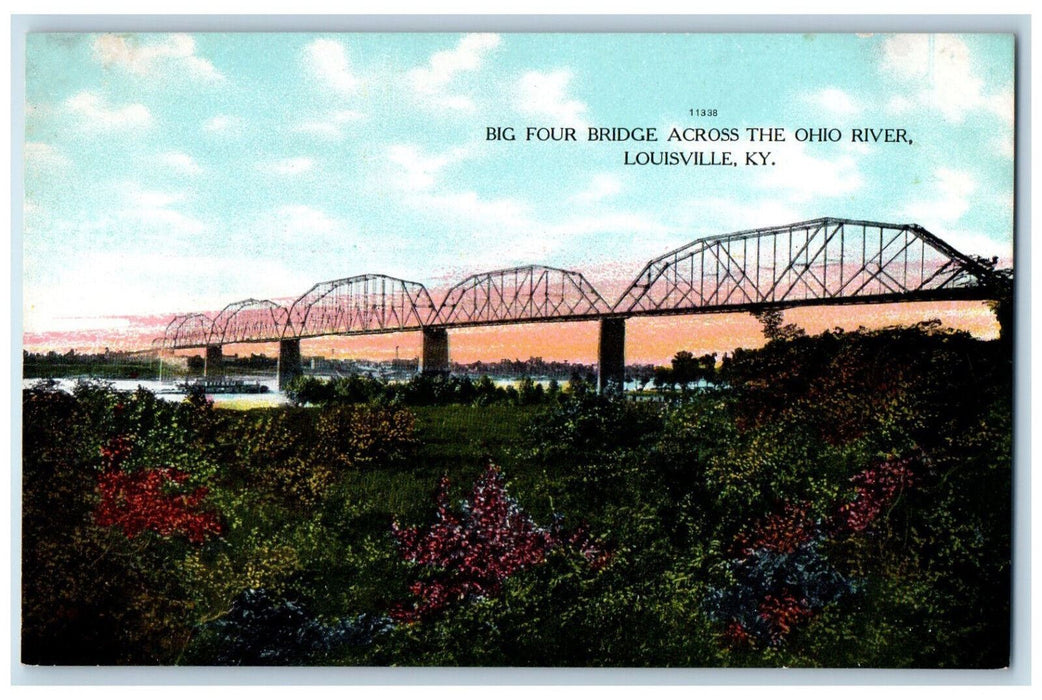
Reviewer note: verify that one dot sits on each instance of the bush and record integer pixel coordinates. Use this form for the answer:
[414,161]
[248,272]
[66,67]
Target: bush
[355,437]
[468,555]
[260,630]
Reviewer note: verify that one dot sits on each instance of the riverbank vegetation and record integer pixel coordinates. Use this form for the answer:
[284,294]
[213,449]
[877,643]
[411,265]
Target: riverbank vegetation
[838,500]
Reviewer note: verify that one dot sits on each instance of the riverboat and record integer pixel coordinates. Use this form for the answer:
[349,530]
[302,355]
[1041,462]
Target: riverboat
[223,386]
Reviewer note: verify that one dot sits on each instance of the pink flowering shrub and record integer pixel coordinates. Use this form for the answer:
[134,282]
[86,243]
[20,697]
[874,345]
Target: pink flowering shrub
[876,488]
[470,553]
[782,576]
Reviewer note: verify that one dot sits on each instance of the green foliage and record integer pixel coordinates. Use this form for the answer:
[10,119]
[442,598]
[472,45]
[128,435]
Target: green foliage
[356,437]
[771,322]
[685,370]
[420,390]
[562,613]
[673,490]
[90,595]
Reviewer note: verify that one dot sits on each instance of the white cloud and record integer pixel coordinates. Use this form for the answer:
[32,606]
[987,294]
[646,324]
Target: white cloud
[152,209]
[602,186]
[899,104]
[324,129]
[610,222]
[330,126]
[1005,201]
[1003,145]
[418,171]
[180,162]
[223,124]
[502,213]
[299,220]
[977,243]
[951,198]
[444,66]
[94,113]
[50,316]
[503,230]
[150,199]
[173,53]
[43,156]
[287,166]
[327,61]
[836,101]
[805,177]
[939,68]
[165,220]
[85,298]
[546,95]
[1002,105]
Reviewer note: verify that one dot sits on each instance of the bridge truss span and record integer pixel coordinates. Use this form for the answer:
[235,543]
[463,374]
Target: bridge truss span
[829,260]
[521,295]
[186,331]
[821,261]
[249,321]
[361,304]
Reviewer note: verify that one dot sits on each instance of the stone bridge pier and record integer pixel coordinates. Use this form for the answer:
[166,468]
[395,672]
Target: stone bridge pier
[289,361]
[611,354]
[435,358]
[213,366]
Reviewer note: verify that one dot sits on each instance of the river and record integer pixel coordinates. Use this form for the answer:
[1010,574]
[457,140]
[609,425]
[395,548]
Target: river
[168,389]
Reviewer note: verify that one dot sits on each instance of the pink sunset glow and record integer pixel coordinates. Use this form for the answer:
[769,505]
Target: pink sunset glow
[648,340]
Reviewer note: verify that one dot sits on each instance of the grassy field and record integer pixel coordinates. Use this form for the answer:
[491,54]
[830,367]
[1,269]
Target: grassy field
[453,441]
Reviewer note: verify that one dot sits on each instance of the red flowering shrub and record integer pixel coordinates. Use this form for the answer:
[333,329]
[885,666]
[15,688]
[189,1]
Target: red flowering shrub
[473,551]
[779,532]
[735,635]
[782,613]
[149,499]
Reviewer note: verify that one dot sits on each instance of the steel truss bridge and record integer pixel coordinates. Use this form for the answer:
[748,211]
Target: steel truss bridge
[819,262]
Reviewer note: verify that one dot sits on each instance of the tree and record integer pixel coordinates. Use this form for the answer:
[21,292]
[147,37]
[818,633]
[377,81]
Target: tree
[1000,284]
[688,369]
[771,320]
[664,378]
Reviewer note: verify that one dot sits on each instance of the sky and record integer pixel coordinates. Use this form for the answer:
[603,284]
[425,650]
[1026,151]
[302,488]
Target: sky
[173,173]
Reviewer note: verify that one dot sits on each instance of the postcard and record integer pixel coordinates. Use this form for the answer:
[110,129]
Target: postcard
[599,350]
